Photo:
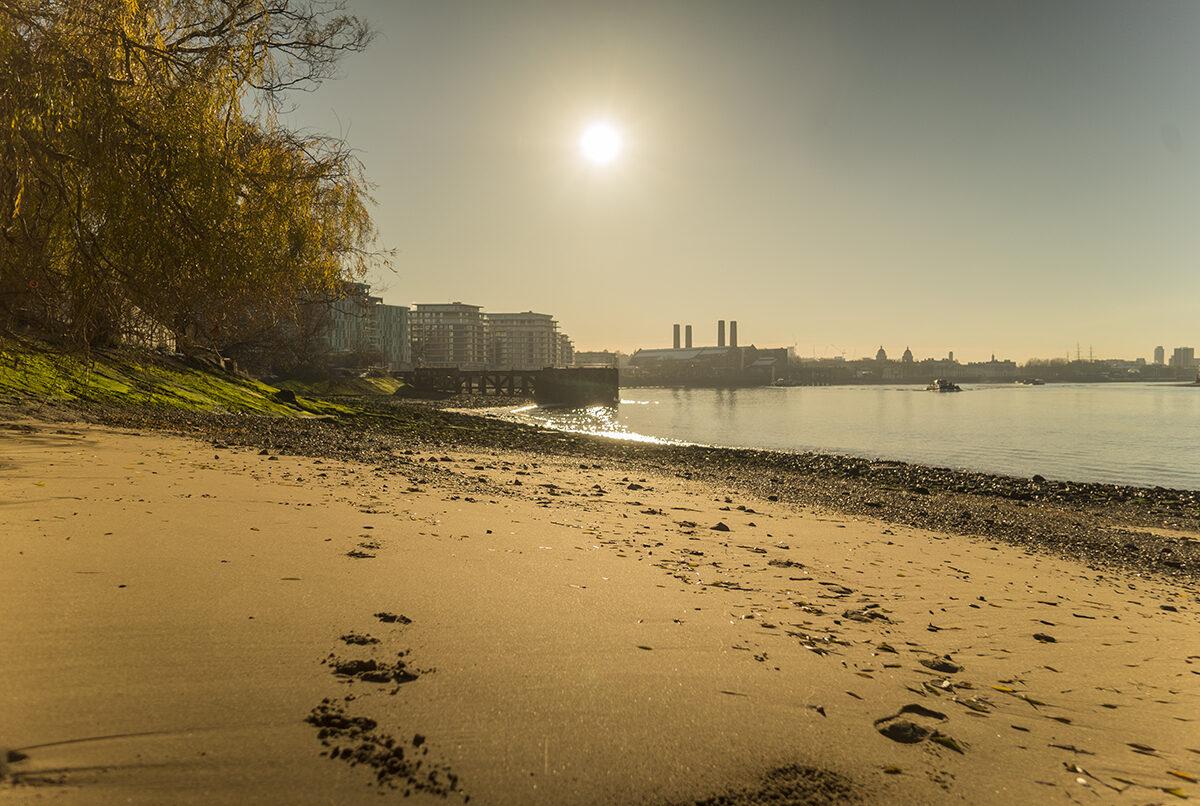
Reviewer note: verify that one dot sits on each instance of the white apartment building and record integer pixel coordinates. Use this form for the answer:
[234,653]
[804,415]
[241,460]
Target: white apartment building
[522,340]
[448,335]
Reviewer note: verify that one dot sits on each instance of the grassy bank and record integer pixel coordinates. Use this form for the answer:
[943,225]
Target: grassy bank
[35,373]
[344,387]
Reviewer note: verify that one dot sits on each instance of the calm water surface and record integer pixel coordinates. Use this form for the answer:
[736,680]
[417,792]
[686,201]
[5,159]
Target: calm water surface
[1146,434]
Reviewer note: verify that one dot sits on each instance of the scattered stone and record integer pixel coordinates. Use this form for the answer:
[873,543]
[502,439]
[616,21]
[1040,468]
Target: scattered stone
[864,615]
[943,665]
[777,563]
[977,704]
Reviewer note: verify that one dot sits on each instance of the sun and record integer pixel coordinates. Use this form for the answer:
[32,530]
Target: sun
[600,142]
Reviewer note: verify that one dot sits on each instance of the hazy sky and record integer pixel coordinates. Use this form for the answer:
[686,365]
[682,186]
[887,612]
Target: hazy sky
[1012,176]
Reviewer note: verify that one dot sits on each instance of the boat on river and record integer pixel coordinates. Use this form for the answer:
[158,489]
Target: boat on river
[943,385]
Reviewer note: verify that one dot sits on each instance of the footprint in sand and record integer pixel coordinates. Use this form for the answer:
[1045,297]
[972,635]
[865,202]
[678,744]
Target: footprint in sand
[914,724]
[793,784]
[397,764]
[358,740]
[392,618]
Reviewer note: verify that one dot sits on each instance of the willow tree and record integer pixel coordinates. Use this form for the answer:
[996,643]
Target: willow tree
[145,168]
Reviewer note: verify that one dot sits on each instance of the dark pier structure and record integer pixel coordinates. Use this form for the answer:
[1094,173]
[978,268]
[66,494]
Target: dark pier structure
[581,386]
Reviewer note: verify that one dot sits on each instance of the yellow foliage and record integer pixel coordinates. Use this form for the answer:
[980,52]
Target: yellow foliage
[143,167]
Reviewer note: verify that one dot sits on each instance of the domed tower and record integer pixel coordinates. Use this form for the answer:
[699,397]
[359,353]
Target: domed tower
[881,355]
[907,357]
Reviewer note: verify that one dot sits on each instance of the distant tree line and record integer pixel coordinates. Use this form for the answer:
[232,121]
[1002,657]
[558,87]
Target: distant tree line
[146,172]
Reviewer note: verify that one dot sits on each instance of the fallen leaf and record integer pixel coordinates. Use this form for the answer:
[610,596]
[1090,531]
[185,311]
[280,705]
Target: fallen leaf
[947,741]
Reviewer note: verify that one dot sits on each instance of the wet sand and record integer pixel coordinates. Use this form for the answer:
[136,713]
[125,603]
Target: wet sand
[190,624]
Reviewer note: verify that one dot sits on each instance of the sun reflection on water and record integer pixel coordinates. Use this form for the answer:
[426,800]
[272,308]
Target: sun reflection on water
[600,421]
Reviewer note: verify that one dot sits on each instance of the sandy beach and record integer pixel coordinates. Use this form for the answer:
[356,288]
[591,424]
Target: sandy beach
[587,403]
[190,623]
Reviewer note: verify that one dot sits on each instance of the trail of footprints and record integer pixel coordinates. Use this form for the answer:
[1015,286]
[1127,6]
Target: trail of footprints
[398,763]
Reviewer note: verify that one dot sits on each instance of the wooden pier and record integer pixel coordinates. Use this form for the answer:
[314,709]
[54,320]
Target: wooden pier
[576,386]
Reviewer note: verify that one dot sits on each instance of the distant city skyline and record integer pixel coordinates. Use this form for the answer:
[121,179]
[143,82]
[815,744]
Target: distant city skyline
[1155,355]
[1007,177]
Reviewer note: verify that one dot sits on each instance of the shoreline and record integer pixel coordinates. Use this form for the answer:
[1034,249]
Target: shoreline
[915,384]
[1109,525]
[541,627]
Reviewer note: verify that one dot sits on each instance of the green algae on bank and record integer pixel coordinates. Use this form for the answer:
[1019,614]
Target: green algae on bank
[33,372]
[344,387]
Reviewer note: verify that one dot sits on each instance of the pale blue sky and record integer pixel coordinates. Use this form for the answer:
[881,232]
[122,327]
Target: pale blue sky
[1008,177]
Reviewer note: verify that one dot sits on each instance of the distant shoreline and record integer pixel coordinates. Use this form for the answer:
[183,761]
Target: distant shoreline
[915,384]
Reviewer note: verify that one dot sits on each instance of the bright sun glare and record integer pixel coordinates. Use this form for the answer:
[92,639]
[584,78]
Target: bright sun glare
[600,143]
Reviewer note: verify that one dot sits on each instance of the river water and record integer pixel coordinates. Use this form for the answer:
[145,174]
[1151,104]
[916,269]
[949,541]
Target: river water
[1123,433]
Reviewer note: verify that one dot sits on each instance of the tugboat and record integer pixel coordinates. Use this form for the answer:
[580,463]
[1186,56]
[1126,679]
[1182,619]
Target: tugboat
[943,385]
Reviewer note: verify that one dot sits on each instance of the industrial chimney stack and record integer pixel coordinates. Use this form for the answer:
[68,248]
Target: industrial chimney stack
[733,333]
[676,341]
[687,336]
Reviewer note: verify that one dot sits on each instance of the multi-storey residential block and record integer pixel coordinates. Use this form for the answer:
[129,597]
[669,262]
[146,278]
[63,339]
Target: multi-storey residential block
[364,326]
[522,340]
[448,335]
[566,351]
